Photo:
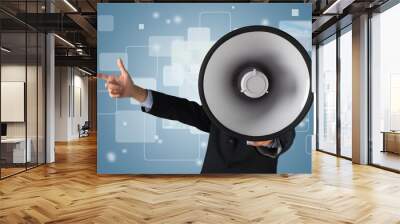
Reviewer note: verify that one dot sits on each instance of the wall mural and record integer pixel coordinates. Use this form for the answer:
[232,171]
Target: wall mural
[163,46]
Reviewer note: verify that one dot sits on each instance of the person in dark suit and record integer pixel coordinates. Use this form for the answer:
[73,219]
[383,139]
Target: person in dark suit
[225,153]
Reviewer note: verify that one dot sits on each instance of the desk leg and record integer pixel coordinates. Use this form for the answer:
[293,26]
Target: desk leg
[384,143]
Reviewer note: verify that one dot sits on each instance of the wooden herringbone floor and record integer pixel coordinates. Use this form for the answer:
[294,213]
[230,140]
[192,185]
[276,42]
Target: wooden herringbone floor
[70,191]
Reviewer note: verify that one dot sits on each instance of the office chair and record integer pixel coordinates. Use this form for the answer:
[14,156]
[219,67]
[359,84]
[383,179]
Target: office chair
[84,130]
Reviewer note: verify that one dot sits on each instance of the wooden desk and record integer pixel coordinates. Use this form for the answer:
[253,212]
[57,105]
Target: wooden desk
[391,141]
[17,150]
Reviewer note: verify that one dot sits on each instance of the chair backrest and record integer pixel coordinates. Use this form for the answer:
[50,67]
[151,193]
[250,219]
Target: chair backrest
[86,124]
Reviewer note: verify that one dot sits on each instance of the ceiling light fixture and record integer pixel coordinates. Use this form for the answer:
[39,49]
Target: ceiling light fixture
[70,5]
[333,6]
[64,40]
[5,50]
[337,7]
[84,71]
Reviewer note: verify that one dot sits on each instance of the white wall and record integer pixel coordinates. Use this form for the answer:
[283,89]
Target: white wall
[17,73]
[61,103]
[79,117]
[11,73]
[70,83]
[33,126]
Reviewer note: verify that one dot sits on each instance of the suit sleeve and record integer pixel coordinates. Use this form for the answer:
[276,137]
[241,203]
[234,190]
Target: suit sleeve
[280,145]
[286,140]
[179,109]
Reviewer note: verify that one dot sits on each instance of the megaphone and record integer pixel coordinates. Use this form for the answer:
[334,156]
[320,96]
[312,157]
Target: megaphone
[255,83]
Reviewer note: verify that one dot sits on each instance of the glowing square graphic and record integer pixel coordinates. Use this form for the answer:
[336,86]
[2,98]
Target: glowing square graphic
[199,34]
[173,75]
[295,12]
[134,127]
[107,105]
[141,26]
[108,61]
[160,46]
[105,23]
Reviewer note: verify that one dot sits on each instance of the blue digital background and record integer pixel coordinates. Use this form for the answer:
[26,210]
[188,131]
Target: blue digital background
[162,46]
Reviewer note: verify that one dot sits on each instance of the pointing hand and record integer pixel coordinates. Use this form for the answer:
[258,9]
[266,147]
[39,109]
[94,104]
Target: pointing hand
[123,86]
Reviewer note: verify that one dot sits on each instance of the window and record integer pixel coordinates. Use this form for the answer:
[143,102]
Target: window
[334,106]
[385,89]
[326,93]
[346,92]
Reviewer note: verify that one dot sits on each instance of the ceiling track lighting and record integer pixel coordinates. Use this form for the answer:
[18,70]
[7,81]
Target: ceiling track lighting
[65,41]
[70,5]
[5,50]
[336,8]
[84,71]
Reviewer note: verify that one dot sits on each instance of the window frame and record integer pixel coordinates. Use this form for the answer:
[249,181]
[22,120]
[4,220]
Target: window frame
[338,34]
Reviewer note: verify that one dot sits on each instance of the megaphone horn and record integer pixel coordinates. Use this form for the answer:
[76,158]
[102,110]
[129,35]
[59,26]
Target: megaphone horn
[255,82]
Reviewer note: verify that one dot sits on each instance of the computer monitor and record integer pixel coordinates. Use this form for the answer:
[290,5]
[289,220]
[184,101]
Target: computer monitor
[3,129]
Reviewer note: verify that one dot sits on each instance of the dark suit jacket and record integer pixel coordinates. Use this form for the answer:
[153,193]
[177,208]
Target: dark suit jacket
[225,154]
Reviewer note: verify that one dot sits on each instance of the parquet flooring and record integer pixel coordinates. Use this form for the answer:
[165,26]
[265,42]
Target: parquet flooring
[70,191]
